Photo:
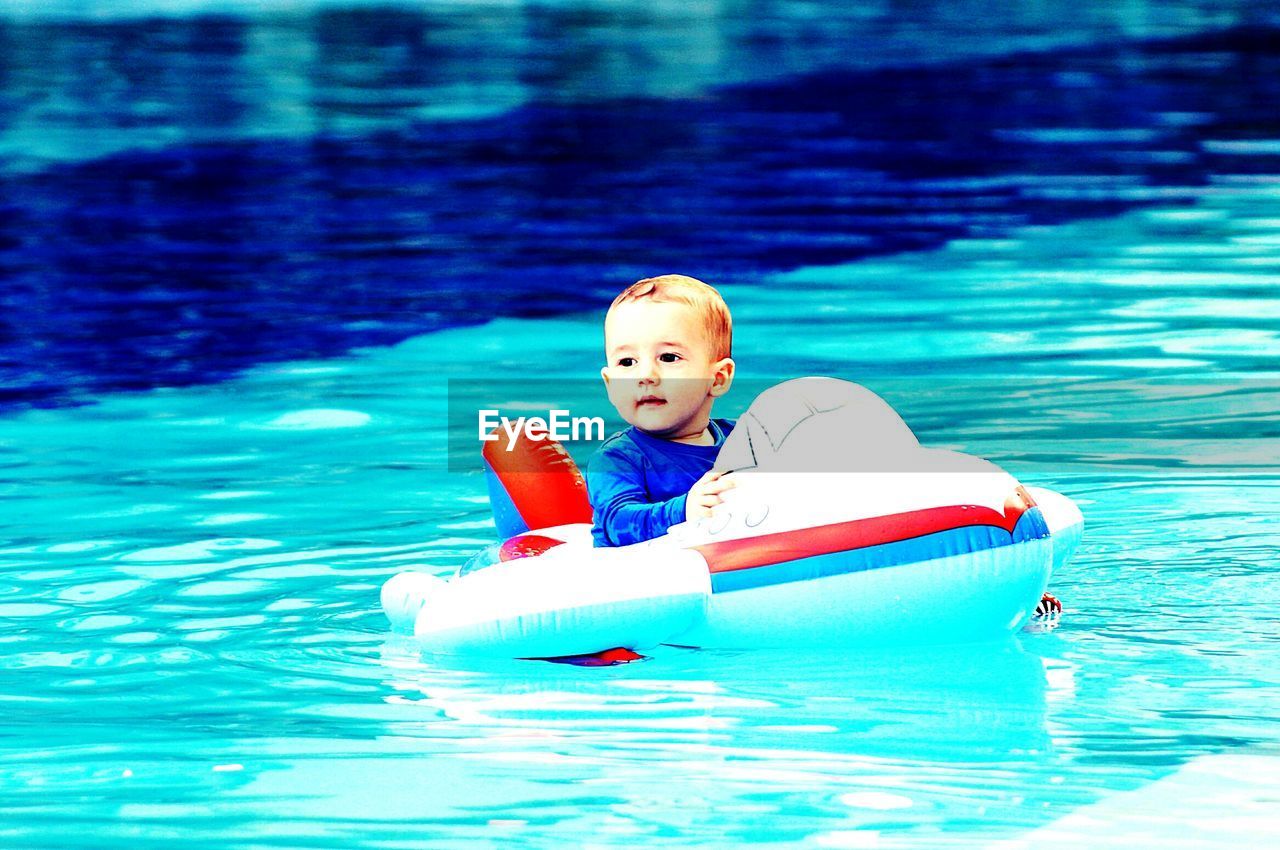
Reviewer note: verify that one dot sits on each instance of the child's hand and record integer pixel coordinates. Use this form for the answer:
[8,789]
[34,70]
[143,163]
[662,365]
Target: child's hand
[705,494]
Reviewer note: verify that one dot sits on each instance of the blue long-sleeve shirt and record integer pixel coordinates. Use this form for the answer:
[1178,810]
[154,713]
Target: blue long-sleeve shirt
[637,483]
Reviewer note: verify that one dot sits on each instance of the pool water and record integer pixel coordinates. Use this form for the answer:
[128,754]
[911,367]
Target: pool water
[196,525]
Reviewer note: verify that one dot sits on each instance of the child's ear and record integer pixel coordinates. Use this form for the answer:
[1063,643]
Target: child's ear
[604,373]
[722,377]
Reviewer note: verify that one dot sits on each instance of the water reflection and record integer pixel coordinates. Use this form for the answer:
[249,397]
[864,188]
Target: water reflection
[704,741]
[984,701]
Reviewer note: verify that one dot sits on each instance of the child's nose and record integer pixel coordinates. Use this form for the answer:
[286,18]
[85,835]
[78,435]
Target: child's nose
[649,372]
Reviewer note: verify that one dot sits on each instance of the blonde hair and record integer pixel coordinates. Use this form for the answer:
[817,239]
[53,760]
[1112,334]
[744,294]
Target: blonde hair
[703,298]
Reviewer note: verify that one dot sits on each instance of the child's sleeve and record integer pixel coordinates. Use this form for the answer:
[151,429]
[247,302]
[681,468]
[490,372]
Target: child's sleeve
[622,512]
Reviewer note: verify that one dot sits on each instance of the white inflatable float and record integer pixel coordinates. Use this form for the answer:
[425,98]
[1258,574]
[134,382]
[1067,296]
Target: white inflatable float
[842,531]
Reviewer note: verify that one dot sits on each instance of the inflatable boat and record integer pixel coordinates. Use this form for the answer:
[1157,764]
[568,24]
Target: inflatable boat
[842,531]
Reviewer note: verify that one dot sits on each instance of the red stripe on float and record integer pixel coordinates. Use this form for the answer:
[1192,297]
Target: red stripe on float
[766,549]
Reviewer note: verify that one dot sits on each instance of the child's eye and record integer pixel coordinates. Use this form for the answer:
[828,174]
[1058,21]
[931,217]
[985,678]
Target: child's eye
[669,357]
[626,361]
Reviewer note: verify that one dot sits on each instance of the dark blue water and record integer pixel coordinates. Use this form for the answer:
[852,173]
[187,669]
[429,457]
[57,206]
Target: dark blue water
[183,263]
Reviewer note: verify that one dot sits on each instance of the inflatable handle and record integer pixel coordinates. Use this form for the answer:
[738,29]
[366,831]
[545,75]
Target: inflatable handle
[535,484]
[403,596]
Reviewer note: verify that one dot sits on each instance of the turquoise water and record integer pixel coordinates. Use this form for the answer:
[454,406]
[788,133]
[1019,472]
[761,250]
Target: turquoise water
[193,650]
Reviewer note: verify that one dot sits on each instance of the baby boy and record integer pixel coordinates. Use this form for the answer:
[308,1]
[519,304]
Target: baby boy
[667,345]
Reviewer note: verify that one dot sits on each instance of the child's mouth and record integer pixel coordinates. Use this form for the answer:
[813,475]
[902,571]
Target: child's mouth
[650,400]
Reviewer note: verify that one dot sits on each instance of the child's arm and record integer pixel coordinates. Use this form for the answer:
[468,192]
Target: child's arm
[620,504]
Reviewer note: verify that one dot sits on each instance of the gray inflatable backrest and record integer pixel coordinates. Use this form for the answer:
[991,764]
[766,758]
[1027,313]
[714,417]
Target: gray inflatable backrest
[818,425]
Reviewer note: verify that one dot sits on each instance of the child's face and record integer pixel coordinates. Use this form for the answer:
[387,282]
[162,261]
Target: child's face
[660,374]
